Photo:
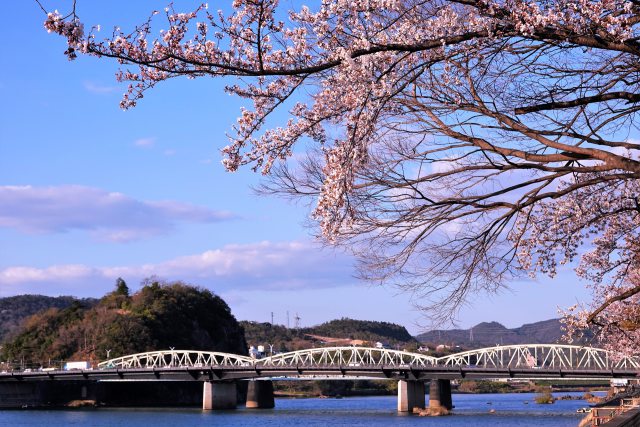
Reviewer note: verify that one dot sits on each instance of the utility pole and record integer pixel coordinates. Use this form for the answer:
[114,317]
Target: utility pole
[471,334]
[297,321]
[272,318]
[287,319]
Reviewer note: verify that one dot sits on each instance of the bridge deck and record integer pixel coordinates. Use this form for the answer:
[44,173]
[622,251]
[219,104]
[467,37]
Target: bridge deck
[321,372]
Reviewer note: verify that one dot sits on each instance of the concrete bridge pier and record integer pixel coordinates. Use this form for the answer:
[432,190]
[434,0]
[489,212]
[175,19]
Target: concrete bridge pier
[410,395]
[260,395]
[440,395]
[219,395]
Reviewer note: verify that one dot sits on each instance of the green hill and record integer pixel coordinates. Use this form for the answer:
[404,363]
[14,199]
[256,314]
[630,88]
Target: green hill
[284,339]
[158,316]
[366,330]
[281,338]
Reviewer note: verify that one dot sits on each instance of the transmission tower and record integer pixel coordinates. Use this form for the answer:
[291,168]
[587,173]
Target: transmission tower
[297,319]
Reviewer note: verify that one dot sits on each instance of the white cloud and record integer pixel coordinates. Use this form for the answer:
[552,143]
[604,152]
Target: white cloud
[107,215]
[264,265]
[16,275]
[97,88]
[144,142]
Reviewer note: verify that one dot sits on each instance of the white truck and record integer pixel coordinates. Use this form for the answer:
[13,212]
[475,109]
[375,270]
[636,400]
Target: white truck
[70,366]
[619,382]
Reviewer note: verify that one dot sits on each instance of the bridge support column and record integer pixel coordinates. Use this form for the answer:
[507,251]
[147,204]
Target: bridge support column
[440,395]
[410,395]
[219,395]
[260,395]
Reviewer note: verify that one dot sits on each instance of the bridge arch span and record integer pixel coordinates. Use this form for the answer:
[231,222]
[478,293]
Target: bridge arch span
[177,358]
[349,356]
[541,356]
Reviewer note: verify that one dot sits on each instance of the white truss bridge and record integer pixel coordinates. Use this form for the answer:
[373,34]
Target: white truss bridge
[177,358]
[541,356]
[528,357]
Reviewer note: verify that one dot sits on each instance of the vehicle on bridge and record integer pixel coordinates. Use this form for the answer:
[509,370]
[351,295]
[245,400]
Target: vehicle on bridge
[69,366]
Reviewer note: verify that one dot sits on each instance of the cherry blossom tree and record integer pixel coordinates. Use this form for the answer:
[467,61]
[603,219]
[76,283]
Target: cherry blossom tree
[452,145]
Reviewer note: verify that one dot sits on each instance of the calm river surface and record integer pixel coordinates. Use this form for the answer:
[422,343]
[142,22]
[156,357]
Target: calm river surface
[470,410]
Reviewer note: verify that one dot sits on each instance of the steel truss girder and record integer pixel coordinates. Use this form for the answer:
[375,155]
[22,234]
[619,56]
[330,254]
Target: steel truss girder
[177,358]
[350,357]
[525,356]
[541,356]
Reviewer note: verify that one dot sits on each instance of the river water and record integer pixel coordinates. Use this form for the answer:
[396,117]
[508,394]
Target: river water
[470,411]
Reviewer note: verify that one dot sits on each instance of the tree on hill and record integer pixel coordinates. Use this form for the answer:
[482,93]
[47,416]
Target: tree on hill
[119,297]
[121,287]
[458,143]
[158,316]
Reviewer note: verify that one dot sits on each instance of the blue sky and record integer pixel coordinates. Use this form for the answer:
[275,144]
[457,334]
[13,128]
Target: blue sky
[89,193]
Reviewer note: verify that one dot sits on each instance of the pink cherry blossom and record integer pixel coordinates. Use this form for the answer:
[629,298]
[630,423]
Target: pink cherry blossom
[454,145]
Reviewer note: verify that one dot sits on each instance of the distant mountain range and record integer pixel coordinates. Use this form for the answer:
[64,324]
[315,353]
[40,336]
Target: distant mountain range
[487,334]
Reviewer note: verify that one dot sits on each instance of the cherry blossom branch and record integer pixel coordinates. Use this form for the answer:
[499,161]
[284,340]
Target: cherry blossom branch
[629,97]
[454,145]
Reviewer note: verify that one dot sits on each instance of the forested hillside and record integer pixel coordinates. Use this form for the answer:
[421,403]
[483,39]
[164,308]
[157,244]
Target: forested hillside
[367,330]
[158,316]
[14,310]
[281,338]
[341,331]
